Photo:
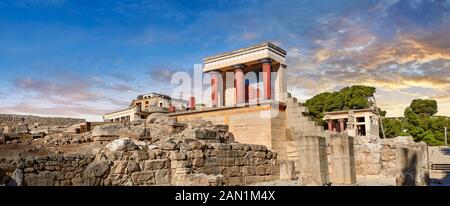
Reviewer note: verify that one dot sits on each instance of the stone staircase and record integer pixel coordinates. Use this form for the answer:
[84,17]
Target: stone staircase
[298,123]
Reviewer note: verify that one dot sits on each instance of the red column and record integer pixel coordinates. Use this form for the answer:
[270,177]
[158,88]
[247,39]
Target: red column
[214,92]
[330,125]
[266,63]
[192,103]
[239,79]
[172,108]
[341,124]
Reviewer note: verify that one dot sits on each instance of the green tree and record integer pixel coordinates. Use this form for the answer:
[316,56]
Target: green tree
[422,125]
[424,106]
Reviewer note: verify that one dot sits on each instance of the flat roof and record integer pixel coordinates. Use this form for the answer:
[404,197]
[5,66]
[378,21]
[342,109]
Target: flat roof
[267,44]
[248,56]
[346,111]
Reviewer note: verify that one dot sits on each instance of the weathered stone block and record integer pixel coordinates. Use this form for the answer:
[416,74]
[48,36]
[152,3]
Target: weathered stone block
[269,155]
[287,170]
[198,162]
[261,170]
[162,177]
[261,155]
[241,153]
[177,155]
[44,178]
[197,154]
[96,169]
[167,145]
[272,170]
[196,145]
[226,162]
[232,171]
[221,146]
[119,167]
[109,130]
[249,154]
[233,181]
[249,170]
[236,146]
[241,161]
[209,170]
[269,178]
[257,148]
[155,164]
[151,154]
[253,179]
[212,161]
[29,162]
[132,167]
[180,164]
[147,177]
[139,155]
[69,175]
[257,161]
[246,147]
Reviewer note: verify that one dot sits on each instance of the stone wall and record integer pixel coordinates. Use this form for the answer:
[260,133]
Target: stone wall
[400,158]
[246,123]
[197,153]
[341,159]
[183,163]
[26,123]
[310,156]
[308,152]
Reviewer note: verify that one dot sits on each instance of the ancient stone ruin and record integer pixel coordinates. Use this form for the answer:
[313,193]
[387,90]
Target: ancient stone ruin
[162,151]
[156,152]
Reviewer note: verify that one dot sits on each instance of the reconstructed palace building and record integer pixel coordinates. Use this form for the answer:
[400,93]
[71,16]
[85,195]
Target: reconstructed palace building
[144,105]
[249,94]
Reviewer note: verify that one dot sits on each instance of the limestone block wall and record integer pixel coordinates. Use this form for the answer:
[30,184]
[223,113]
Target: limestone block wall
[400,158]
[13,120]
[24,124]
[310,156]
[246,123]
[341,159]
[191,162]
[278,135]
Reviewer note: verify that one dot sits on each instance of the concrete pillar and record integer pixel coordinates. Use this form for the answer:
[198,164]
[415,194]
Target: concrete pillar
[240,84]
[341,124]
[214,89]
[266,69]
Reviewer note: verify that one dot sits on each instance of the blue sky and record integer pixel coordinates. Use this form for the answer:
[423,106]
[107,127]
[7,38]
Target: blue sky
[84,58]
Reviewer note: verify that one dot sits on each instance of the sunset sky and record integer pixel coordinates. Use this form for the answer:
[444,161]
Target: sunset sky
[80,58]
